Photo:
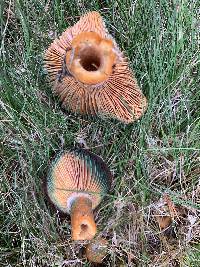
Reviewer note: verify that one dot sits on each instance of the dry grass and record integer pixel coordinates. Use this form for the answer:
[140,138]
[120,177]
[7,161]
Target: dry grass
[155,161]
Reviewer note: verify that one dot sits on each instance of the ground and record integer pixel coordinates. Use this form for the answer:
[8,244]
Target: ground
[155,161]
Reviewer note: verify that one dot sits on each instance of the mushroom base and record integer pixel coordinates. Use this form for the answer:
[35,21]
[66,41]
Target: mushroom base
[91,58]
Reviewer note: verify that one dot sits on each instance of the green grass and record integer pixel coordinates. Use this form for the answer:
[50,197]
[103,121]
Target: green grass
[157,154]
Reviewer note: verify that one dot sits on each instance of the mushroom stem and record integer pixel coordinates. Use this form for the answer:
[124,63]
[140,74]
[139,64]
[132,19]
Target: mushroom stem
[82,219]
[91,58]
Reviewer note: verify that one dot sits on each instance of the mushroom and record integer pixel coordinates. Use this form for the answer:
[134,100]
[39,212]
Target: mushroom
[97,250]
[76,184]
[91,75]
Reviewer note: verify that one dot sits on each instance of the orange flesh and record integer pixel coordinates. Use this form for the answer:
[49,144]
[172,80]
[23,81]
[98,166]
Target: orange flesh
[82,219]
[91,58]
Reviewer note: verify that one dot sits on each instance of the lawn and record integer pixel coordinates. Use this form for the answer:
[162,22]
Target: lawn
[152,159]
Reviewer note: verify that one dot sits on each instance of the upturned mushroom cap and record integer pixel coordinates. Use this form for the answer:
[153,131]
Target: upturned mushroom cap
[76,184]
[90,74]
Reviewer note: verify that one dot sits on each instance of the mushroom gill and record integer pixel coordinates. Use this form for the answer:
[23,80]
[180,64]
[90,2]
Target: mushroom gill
[76,184]
[90,74]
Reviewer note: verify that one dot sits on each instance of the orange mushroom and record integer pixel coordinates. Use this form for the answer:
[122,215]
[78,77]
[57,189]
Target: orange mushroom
[90,74]
[76,184]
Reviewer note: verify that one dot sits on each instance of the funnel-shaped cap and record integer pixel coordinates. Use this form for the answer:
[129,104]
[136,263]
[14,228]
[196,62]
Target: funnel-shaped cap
[90,74]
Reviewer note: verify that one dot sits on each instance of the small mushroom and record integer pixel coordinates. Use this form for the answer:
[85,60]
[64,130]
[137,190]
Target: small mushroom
[97,250]
[163,221]
[91,75]
[76,184]
[163,212]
